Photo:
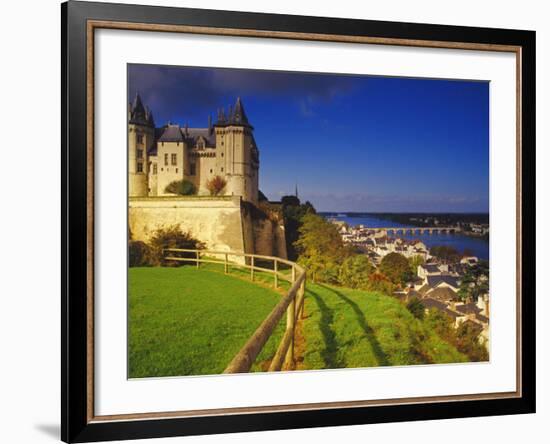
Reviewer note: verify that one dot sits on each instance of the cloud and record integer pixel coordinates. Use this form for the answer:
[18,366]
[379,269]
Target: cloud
[175,92]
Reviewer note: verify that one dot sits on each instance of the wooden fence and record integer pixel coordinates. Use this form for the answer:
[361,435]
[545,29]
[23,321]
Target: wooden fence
[292,302]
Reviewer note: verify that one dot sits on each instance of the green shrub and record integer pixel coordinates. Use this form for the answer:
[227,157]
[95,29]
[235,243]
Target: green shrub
[171,237]
[379,282]
[139,254]
[467,342]
[416,308]
[355,272]
[181,187]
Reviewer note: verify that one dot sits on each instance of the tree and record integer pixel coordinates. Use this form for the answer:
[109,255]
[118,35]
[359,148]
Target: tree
[415,261]
[293,212]
[320,248]
[416,308]
[181,187]
[475,282]
[355,272]
[216,185]
[467,342]
[445,253]
[396,267]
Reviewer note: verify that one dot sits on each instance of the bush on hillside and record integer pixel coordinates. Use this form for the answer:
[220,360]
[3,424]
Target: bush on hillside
[416,308]
[181,187]
[355,272]
[171,237]
[379,282]
[139,254]
[467,342]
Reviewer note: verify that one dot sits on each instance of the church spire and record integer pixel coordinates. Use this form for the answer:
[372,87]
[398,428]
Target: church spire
[296,190]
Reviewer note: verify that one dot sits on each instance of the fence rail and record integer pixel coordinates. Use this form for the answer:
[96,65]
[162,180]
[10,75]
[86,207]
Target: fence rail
[292,303]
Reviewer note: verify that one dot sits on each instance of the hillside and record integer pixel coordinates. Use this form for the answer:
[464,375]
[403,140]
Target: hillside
[347,328]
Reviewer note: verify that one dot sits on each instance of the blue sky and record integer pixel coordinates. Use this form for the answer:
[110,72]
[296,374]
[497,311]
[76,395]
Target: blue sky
[351,143]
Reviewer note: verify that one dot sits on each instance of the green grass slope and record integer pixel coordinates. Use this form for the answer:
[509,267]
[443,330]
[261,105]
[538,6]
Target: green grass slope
[347,328]
[188,321]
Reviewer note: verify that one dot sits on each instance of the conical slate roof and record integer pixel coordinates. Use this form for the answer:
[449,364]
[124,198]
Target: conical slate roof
[138,113]
[239,116]
[235,115]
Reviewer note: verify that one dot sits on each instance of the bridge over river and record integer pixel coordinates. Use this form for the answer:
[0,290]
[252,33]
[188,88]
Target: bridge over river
[414,230]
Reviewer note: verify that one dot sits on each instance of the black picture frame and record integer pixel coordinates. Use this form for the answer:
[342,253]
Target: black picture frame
[76,423]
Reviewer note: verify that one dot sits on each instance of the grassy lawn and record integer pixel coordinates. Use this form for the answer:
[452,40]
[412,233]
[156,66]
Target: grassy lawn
[188,321]
[352,328]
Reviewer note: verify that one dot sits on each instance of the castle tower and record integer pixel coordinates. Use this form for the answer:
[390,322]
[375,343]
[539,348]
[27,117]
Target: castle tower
[238,156]
[141,134]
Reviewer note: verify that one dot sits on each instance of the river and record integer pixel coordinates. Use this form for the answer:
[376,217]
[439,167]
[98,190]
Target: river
[461,242]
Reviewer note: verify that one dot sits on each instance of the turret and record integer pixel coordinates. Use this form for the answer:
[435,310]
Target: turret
[141,132]
[237,153]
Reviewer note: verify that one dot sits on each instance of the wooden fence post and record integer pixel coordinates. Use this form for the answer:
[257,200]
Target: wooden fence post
[276,268]
[225,270]
[303,298]
[290,321]
[252,268]
[198,258]
[290,317]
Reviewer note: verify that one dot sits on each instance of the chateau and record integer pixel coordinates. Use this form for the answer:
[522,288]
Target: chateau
[159,156]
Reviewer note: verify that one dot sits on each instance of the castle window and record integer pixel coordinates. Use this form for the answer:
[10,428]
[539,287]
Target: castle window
[174,159]
[139,167]
[139,154]
[166,159]
[192,169]
[176,171]
[222,169]
[211,171]
[222,154]
[154,168]
[139,138]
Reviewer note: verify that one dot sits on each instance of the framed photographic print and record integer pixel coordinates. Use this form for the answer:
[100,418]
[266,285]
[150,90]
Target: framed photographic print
[277,221]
